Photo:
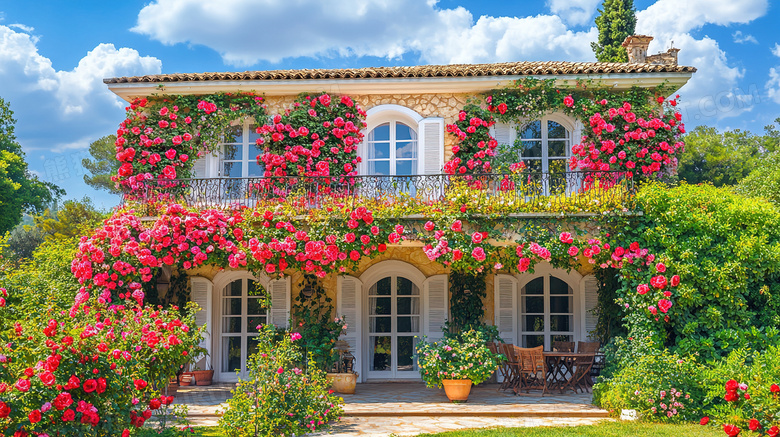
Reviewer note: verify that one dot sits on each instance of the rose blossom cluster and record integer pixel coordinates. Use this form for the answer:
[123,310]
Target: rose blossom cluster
[737,396]
[475,144]
[318,137]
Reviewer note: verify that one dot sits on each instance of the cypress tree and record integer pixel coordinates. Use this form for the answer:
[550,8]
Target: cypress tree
[616,21]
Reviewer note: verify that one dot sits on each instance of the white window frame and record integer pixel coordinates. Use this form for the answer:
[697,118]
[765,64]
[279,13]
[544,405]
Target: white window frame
[545,158]
[390,113]
[393,158]
[245,124]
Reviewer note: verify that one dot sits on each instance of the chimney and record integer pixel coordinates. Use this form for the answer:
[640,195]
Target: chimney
[636,46]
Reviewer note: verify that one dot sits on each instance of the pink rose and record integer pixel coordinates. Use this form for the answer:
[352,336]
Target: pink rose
[476,238]
[457,226]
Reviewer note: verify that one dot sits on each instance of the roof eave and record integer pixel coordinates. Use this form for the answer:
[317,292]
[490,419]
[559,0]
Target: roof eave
[406,85]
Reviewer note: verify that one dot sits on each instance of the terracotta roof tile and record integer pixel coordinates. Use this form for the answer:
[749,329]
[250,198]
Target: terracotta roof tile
[422,71]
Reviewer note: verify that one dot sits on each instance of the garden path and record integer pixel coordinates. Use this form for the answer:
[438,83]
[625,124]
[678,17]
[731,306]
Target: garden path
[381,409]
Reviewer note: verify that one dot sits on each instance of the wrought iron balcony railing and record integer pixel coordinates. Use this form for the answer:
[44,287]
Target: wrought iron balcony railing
[565,192]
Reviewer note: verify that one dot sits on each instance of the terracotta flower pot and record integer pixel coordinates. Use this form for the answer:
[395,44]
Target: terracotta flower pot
[457,390]
[202,377]
[185,379]
[342,382]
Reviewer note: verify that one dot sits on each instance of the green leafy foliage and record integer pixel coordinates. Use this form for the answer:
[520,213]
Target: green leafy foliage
[103,164]
[616,21]
[764,180]
[279,398]
[466,293]
[314,320]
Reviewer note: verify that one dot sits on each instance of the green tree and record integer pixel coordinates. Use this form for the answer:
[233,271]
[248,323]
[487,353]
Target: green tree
[103,164]
[20,190]
[73,219]
[721,158]
[764,180]
[616,21]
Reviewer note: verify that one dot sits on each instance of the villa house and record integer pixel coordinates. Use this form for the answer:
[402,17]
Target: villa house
[401,293]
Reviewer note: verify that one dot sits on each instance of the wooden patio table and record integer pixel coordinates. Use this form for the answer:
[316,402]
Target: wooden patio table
[561,369]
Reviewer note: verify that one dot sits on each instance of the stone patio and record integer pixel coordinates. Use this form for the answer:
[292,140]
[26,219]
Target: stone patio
[409,408]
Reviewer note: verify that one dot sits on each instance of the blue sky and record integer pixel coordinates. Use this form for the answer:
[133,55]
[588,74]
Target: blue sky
[54,54]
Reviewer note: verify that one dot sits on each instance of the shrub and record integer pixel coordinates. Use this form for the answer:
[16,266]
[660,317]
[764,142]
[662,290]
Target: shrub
[279,399]
[464,357]
[661,385]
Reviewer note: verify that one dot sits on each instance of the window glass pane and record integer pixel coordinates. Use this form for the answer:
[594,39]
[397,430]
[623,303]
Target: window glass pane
[532,130]
[406,354]
[556,148]
[556,130]
[534,287]
[404,132]
[231,355]
[379,151]
[561,304]
[255,306]
[562,338]
[380,133]
[234,134]
[560,323]
[406,149]
[533,323]
[253,322]
[382,287]
[235,288]
[558,286]
[406,167]
[408,324]
[407,287]
[533,304]
[232,152]
[231,325]
[533,164]
[251,345]
[531,149]
[559,166]
[379,306]
[253,135]
[408,305]
[254,170]
[232,169]
[380,324]
[379,167]
[380,346]
[254,288]
[231,306]
[533,340]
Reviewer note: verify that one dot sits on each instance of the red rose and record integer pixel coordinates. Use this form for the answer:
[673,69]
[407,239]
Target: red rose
[675,281]
[568,101]
[754,424]
[23,385]
[658,282]
[731,396]
[732,385]
[5,410]
[457,254]
[47,378]
[155,404]
[731,430]
[140,384]
[34,416]
[62,401]
[773,431]
[68,416]
[704,420]
[457,226]
[774,388]
[642,289]
[90,385]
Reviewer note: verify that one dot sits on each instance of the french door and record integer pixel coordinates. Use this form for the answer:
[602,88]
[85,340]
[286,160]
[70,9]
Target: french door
[241,312]
[547,312]
[393,322]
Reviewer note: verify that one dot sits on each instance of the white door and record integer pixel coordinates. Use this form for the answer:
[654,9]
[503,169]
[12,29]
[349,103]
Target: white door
[241,311]
[394,316]
[546,312]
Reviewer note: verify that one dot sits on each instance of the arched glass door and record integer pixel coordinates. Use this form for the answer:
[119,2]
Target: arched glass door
[547,312]
[393,322]
[241,312]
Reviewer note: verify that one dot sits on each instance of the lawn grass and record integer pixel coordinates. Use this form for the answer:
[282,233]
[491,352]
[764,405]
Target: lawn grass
[606,429]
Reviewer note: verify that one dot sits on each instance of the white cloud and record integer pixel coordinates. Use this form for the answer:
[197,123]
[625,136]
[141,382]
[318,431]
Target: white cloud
[675,16]
[773,85]
[776,50]
[73,107]
[22,27]
[741,38]
[574,12]
[358,27]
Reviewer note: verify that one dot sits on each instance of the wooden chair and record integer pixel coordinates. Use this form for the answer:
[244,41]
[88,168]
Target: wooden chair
[512,367]
[503,367]
[563,346]
[587,347]
[581,378]
[533,370]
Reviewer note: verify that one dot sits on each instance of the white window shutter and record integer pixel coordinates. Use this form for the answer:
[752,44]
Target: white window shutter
[212,165]
[199,168]
[349,305]
[436,298]
[201,290]
[279,314]
[207,166]
[505,298]
[503,133]
[590,292]
[430,140]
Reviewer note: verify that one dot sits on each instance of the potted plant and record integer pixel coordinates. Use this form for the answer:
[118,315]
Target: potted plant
[456,362]
[202,377]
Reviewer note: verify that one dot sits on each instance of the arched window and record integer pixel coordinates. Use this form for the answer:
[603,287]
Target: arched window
[393,324]
[391,149]
[546,312]
[545,145]
[239,152]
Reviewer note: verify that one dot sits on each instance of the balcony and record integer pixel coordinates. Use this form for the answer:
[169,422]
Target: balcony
[568,193]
